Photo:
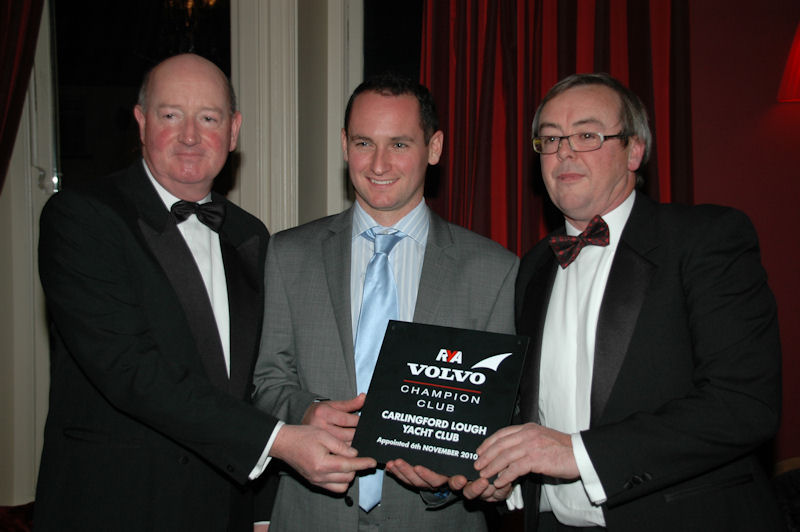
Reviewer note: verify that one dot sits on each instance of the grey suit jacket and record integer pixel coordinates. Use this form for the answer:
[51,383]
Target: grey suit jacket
[307,348]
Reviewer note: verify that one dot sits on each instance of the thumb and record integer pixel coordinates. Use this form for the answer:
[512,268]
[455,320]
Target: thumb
[351,405]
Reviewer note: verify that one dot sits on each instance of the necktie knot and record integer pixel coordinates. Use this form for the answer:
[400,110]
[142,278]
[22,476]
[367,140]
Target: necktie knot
[211,213]
[567,247]
[383,242]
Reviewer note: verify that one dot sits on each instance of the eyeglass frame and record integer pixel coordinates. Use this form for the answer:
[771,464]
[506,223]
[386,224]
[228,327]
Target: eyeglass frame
[560,138]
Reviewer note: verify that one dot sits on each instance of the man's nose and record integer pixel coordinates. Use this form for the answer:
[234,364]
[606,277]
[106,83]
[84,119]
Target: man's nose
[188,133]
[564,149]
[380,161]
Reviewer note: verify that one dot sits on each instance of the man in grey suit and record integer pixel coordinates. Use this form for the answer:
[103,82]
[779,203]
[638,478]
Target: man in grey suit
[445,275]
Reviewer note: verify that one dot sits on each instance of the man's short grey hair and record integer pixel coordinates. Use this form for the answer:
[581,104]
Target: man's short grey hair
[633,113]
[141,101]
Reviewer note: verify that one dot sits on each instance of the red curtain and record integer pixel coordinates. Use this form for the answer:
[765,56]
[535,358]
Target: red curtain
[19,28]
[488,64]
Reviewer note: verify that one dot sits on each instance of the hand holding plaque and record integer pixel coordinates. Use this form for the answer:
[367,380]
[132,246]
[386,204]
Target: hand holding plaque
[437,393]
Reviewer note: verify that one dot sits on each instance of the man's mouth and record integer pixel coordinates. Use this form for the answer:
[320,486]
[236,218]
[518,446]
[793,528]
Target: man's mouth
[381,181]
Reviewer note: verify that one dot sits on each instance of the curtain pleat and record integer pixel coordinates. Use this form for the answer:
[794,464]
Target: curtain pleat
[488,65]
[19,28]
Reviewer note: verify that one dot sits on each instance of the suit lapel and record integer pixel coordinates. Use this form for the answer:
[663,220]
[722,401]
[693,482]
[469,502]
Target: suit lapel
[336,255]
[242,273]
[170,250]
[531,323]
[439,266]
[624,295]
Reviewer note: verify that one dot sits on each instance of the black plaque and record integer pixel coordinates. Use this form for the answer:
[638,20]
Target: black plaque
[437,393]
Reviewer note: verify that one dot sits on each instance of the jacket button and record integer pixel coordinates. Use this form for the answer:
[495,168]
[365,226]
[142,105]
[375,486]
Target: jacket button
[348,500]
[183,459]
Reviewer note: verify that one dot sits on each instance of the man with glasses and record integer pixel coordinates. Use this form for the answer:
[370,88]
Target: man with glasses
[655,369]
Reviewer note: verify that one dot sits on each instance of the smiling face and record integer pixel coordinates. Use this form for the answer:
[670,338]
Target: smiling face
[187,127]
[386,154]
[584,184]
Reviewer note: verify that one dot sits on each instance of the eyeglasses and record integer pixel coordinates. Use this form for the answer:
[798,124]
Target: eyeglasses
[587,141]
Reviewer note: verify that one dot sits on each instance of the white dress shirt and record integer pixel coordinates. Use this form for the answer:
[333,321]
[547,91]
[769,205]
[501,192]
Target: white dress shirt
[567,362]
[405,259]
[204,245]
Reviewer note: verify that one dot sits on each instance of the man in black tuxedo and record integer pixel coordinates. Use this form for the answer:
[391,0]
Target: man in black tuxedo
[155,325]
[655,368]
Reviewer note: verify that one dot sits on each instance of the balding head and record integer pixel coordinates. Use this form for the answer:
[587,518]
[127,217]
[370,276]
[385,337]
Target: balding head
[186,124]
[187,60]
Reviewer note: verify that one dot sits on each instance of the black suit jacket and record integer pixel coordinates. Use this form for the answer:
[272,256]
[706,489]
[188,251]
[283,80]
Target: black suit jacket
[686,380]
[145,431]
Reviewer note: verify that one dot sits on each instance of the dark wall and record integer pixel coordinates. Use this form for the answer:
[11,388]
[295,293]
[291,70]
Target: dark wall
[392,37]
[102,53]
[746,152]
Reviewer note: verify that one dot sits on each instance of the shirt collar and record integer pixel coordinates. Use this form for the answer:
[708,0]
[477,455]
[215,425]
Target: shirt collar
[414,224]
[615,219]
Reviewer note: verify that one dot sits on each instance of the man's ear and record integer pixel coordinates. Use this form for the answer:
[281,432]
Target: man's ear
[139,114]
[236,124]
[635,153]
[344,144]
[435,145]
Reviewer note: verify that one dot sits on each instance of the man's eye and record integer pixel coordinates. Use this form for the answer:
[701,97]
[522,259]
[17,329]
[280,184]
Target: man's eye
[549,140]
[587,136]
[209,119]
[400,145]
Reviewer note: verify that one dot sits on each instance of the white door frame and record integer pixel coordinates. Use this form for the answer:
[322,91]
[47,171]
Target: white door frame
[294,63]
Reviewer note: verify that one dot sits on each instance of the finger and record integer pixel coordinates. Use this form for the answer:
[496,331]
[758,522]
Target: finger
[502,494]
[475,488]
[498,464]
[341,433]
[499,451]
[336,487]
[515,469]
[358,464]
[332,416]
[399,475]
[497,436]
[431,478]
[457,482]
[335,445]
[349,405]
[403,471]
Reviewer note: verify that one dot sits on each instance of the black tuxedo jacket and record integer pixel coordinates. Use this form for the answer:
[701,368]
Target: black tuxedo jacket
[686,380]
[145,430]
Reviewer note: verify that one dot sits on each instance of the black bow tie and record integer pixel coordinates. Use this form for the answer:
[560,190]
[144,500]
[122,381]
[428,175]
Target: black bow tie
[567,248]
[211,213]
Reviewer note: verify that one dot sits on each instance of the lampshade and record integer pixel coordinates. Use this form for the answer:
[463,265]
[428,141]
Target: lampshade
[790,84]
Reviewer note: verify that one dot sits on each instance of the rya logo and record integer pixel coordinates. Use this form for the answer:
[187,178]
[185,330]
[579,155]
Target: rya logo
[452,357]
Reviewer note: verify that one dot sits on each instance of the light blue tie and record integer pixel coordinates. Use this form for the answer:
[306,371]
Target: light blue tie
[378,306]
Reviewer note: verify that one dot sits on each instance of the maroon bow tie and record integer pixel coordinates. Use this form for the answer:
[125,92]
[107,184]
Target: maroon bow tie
[567,248]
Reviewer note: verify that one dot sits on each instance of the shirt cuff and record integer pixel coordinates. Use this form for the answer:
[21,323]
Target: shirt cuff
[514,500]
[263,461]
[591,481]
